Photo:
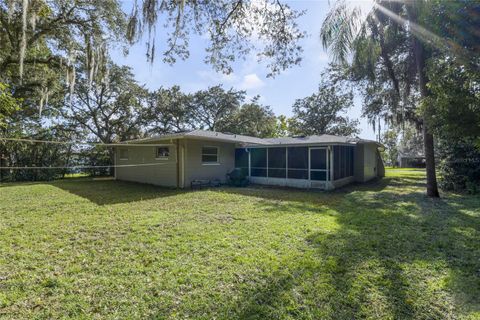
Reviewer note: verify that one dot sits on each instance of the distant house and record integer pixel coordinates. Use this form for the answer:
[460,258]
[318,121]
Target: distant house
[175,160]
[410,159]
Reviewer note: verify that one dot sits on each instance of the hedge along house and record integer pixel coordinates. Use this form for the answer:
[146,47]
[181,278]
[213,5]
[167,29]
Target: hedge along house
[175,160]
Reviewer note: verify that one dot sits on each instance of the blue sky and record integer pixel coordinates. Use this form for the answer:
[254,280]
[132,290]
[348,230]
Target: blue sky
[279,92]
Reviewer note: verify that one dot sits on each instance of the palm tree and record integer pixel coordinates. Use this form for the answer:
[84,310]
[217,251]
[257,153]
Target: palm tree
[390,39]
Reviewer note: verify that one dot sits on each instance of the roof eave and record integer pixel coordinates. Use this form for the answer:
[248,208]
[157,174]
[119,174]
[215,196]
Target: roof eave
[301,144]
[218,139]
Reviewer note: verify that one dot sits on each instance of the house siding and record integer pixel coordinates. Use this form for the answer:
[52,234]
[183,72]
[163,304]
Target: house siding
[162,173]
[195,169]
[358,168]
[370,162]
[367,162]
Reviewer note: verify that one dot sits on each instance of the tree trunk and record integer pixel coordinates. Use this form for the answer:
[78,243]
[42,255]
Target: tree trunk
[432,188]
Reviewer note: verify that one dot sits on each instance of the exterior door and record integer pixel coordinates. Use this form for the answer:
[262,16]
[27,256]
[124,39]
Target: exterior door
[318,164]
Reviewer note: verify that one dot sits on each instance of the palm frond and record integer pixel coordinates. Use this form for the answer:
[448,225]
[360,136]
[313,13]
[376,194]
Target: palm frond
[340,29]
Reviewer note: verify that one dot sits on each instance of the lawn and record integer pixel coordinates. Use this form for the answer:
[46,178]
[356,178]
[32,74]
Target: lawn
[80,248]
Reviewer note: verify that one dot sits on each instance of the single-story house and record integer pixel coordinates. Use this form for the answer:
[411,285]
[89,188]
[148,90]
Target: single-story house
[411,159]
[175,160]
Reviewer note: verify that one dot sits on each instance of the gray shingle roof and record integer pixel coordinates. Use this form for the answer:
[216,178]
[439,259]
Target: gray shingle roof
[204,134]
[247,140]
[324,138]
[224,136]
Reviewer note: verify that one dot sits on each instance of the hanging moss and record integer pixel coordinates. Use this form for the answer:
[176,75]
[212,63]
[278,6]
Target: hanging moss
[11,9]
[23,43]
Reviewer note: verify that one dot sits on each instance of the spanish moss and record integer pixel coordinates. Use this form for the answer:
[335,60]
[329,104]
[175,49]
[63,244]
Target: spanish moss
[23,43]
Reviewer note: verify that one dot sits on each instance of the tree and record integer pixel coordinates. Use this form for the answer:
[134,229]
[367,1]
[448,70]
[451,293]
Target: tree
[217,109]
[19,154]
[252,119]
[8,104]
[282,126]
[170,110]
[411,141]
[111,110]
[214,106]
[40,41]
[420,55]
[393,40]
[324,112]
[390,141]
[232,29]
[455,95]
[460,164]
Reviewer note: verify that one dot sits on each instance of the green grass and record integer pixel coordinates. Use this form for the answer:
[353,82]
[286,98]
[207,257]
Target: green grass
[79,248]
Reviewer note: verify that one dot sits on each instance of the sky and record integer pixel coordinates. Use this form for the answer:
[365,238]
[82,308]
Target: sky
[279,92]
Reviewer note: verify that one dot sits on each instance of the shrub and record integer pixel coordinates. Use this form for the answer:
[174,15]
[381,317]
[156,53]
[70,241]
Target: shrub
[459,166]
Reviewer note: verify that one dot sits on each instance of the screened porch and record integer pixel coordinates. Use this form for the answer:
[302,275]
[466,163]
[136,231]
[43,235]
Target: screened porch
[297,166]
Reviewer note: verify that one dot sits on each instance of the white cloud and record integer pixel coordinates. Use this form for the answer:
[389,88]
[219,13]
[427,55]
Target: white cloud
[251,81]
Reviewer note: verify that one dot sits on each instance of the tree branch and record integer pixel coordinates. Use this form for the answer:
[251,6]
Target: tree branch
[235,8]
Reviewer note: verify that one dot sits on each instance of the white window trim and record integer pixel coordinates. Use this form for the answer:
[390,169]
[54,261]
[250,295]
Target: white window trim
[217,163]
[162,158]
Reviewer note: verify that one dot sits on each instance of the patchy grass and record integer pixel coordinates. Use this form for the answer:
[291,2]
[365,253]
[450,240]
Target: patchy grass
[106,249]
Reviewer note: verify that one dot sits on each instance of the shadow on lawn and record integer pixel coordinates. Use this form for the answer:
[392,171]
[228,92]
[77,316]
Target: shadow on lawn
[396,255]
[105,191]
[108,191]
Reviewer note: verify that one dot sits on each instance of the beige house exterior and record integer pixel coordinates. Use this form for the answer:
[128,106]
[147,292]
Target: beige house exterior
[175,160]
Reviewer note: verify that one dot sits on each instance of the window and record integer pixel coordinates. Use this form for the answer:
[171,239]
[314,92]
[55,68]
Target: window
[318,175]
[318,159]
[352,162]
[336,162]
[318,164]
[241,160]
[343,158]
[297,163]
[162,153]
[123,154]
[258,159]
[277,162]
[210,155]
[343,162]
